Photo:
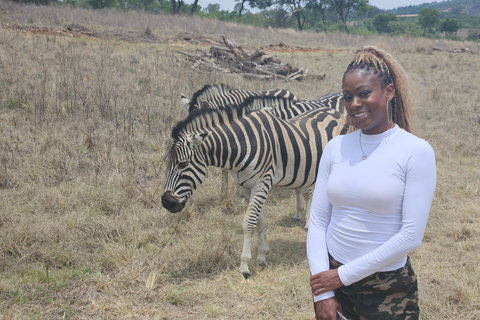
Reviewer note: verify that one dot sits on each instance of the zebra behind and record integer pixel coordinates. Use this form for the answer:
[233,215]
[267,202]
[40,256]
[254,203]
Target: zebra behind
[213,96]
[259,149]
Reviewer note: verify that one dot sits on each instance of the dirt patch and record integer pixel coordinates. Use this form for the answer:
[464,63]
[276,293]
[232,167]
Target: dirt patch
[284,47]
[182,39]
[76,31]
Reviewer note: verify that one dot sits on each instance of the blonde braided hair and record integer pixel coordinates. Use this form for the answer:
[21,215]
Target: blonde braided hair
[389,71]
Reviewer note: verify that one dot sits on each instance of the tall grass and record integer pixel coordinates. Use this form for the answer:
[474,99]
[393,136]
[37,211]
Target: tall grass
[84,126]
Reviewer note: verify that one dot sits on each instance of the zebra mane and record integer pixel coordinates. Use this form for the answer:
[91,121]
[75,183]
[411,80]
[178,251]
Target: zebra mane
[207,92]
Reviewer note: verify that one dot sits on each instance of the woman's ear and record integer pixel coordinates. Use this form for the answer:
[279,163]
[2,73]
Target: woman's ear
[390,91]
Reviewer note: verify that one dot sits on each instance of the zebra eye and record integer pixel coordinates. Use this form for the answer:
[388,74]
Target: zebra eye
[182,165]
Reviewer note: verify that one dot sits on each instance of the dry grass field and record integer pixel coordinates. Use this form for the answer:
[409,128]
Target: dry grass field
[84,124]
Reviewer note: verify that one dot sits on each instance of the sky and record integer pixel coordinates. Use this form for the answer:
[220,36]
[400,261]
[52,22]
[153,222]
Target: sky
[382,4]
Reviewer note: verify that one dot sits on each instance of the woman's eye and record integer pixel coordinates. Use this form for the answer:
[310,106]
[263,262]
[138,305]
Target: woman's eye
[182,165]
[347,98]
[364,94]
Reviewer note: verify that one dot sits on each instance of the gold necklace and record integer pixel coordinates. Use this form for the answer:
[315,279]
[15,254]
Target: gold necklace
[365,156]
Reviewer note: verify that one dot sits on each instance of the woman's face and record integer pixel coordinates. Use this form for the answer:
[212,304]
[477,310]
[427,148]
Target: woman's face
[366,100]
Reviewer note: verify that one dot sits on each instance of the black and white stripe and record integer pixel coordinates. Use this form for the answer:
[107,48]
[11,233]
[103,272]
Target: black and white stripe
[213,96]
[260,150]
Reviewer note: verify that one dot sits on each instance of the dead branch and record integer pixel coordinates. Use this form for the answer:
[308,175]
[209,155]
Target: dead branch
[232,58]
[460,50]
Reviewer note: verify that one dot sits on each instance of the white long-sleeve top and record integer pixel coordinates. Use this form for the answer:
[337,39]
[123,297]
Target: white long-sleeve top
[369,214]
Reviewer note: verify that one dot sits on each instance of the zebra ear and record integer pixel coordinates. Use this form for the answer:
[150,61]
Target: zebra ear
[196,140]
[185,101]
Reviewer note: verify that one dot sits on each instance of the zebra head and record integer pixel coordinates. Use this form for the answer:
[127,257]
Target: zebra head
[185,170]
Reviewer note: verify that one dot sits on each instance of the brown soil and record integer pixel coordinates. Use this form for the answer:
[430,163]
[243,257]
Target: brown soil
[181,39]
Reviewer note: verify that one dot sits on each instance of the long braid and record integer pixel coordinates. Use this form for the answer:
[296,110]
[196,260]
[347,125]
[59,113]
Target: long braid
[390,71]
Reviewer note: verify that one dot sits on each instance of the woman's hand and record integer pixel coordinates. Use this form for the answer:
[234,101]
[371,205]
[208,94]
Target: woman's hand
[327,309]
[325,281]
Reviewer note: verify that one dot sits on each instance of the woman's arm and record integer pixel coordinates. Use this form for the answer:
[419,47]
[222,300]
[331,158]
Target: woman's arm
[319,219]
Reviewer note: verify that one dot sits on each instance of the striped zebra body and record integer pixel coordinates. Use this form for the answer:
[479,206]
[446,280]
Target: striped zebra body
[217,96]
[260,150]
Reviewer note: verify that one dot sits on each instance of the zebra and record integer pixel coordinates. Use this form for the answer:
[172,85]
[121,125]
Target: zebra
[260,150]
[216,96]
[213,96]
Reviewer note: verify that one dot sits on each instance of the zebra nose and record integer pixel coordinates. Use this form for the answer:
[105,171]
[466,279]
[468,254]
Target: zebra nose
[170,202]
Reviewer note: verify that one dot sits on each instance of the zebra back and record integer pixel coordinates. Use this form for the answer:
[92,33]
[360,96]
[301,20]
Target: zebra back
[208,92]
[332,100]
[286,107]
[217,96]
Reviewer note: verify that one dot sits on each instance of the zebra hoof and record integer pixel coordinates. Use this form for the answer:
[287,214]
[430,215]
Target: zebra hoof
[246,275]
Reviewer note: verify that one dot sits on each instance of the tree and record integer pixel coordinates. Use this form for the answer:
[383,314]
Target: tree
[450,26]
[212,7]
[261,4]
[176,6]
[194,7]
[344,7]
[318,7]
[101,4]
[381,22]
[295,9]
[428,18]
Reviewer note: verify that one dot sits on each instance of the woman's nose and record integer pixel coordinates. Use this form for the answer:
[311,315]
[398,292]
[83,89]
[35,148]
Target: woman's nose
[355,103]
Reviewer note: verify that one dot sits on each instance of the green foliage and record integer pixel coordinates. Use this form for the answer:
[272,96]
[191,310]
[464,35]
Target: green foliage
[101,4]
[344,7]
[451,7]
[212,8]
[473,35]
[37,2]
[429,18]
[72,3]
[381,22]
[15,104]
[450,25]
[405,27]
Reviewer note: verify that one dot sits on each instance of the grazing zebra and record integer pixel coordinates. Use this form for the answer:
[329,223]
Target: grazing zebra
[213,96]
[259,149]
[218,96]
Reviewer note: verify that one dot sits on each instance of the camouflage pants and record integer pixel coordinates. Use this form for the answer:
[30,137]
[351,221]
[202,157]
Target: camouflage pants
[391,295]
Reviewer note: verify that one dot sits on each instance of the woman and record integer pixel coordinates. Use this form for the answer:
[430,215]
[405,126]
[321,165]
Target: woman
[372,199]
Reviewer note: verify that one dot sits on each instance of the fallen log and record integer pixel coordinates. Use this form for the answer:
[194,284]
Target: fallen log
[232,59]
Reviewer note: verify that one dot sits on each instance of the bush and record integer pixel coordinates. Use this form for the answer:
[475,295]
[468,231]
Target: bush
[473,35]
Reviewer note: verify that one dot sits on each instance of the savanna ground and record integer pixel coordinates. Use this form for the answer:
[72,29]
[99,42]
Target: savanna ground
[85,122]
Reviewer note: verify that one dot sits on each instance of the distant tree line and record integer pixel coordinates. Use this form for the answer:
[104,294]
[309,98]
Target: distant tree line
[353,16]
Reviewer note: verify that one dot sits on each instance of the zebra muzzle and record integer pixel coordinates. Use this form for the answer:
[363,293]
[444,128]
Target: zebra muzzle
[171,203]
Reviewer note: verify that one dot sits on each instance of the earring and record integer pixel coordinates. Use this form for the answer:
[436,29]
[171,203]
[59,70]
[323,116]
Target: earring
[389,111]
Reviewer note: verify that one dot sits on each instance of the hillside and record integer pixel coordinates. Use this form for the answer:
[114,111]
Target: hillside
[447,7]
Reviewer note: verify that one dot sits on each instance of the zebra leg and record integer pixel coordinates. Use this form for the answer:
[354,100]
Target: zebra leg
[247,247]
[263,248]
[300,205]
[253,215]
[307,196]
